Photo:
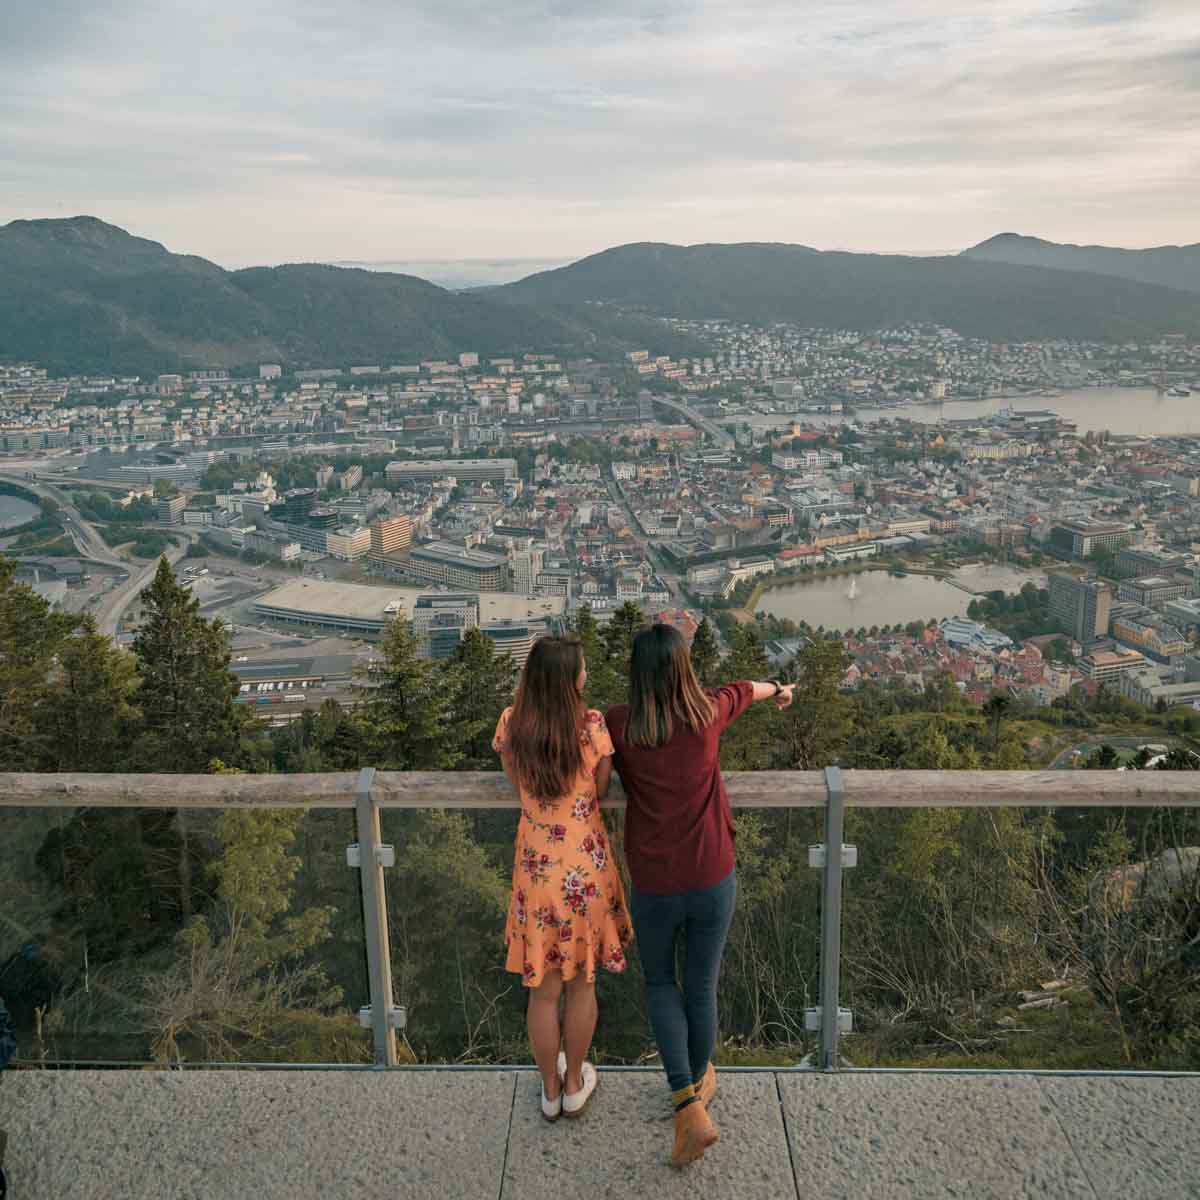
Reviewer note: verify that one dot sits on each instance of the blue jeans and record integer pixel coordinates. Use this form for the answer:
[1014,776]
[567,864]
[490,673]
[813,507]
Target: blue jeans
[684,1021]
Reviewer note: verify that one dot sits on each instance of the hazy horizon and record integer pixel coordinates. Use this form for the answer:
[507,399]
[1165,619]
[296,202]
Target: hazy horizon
[555,128]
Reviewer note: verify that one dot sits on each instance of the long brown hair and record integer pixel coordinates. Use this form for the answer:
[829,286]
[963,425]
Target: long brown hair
[663,689]
[543,728]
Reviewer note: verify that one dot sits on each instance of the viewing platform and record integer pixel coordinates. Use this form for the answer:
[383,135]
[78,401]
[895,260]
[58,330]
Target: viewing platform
[412,1134]
[426,1132]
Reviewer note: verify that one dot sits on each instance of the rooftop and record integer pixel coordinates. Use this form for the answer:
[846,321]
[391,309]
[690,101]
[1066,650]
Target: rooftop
[479,1135]
[459,556]
[365,602]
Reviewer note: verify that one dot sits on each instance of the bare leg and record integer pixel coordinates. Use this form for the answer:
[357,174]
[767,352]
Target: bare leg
[544,1031]
[579,1025]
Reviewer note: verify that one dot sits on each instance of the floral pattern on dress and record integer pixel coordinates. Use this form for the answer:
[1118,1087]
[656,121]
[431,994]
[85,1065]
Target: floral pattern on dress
[567,912]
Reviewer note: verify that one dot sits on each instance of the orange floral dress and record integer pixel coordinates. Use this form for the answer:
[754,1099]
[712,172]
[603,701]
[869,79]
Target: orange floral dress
[567,911]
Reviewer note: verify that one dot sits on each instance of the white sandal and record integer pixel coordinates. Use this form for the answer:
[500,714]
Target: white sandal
[573,1103]
[552,1109]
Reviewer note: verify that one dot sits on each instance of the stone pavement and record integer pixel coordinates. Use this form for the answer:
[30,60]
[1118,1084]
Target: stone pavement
[478,1135]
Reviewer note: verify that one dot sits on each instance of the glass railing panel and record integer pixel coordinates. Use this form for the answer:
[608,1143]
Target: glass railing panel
[448,899]
[1023,938]
[181,936]
[770,971]
[447,902]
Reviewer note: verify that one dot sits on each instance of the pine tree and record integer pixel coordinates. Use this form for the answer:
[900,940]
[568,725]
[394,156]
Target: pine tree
[619,633]
[606,683]
[186,693]
[188,718]
[88,711]
[610,682]
[480,683]
[30,637]
[816,728]
[752,741]
[587,630]
[746,658]
[404,711]
[706,654]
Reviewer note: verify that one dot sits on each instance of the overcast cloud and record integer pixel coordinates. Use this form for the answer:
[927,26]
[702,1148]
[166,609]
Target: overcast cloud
[283,130]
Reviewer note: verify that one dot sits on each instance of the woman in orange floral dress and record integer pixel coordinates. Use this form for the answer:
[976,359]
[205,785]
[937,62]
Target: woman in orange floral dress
[567,913]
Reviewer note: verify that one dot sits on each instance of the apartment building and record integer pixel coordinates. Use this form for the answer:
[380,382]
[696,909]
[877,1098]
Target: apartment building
[348,543]
[1085,537]
[440,619]
[514,637]
[1107,666]
[444,562]
[413,470]
[1138,560]
[391,535]
[1080,607]
[1151,590]
[525,566]
[1159,641]
[169,511]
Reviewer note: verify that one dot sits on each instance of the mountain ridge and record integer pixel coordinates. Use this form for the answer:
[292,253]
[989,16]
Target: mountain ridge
[767,282]
[80,294]
[1164,266]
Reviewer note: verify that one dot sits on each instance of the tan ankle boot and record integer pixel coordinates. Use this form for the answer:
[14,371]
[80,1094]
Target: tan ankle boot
[694,1133]
[706,1089]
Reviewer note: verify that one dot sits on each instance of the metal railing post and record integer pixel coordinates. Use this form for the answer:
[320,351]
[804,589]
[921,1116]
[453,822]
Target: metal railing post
[831,919]
[375,923]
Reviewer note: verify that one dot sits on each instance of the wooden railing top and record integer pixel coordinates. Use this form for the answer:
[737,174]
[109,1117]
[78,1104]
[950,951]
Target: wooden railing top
[490,790]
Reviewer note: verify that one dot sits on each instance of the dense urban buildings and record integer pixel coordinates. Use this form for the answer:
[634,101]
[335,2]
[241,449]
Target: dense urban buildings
[684,484]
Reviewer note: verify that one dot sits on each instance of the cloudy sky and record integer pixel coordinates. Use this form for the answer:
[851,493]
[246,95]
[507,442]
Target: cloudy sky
[277,130]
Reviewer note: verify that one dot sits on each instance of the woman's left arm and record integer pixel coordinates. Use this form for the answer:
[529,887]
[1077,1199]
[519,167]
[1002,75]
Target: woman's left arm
[603,776]
[507,763]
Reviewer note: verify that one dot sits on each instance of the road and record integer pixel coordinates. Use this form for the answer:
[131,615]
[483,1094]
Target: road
[108,614]
[617,493]
[1064,760]
[92,546]
[87,539]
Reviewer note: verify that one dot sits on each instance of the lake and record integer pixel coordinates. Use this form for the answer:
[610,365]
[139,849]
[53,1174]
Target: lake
[880,599]
[15,511]
[1118,410]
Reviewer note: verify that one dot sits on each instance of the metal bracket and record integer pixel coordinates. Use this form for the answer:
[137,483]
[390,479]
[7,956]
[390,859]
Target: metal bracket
[812,1020]
[385,855]
[816,856]
[382,1016]
[397,1017]
[828,1016]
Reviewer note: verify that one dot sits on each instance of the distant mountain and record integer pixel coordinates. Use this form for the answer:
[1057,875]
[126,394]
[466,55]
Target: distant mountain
[1169,266]
[82,295]
[764,282]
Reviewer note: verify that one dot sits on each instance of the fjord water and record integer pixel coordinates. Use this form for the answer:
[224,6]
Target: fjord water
[15,511]
[1143,412]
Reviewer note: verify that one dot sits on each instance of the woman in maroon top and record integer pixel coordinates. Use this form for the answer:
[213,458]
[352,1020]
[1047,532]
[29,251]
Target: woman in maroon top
[679,839]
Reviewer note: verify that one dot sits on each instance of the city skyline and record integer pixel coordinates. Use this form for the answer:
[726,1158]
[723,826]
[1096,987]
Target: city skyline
[554,130]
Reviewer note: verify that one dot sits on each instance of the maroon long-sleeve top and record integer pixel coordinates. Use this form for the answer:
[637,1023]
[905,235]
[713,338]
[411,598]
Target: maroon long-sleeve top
[679,833]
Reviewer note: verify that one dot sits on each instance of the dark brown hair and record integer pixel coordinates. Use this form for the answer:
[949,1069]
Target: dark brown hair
[663,689]
[543,728]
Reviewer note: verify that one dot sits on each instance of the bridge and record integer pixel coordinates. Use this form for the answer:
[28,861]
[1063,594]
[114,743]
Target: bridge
[719,436]
[823,1130]
[83,533]
[92,546]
